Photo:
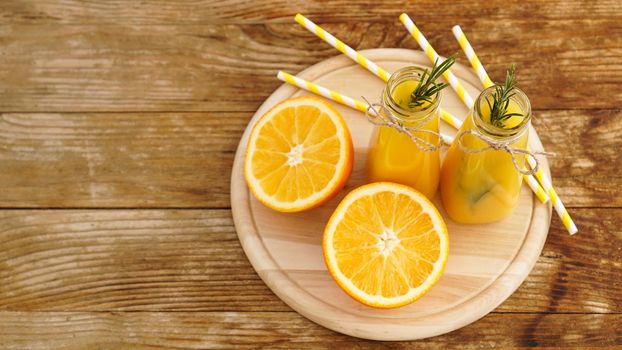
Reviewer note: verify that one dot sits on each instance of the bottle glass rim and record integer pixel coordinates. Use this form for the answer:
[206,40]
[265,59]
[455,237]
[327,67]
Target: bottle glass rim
[491,130]
[404,114]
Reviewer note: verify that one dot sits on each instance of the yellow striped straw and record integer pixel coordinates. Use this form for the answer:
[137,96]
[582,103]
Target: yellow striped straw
[322,91]
[362,60]
[341,46]
[462,93]
[433,56]
[557,202]
[536,188]
[470,54]
[333,95]
[486,82]
[450,119]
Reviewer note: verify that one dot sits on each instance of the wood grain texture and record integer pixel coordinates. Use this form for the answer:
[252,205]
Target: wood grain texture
[239,11]
[117,160]
[125,260]
[585,144]
[57,68]
[576,274]
[120,160]
[152,279]
[285,330]
[191,260]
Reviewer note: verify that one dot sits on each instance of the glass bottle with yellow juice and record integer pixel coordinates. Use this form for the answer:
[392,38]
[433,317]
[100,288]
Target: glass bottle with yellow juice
[481,184]
[412,98]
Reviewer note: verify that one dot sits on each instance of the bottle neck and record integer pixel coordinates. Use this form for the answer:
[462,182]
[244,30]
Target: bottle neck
[396,96]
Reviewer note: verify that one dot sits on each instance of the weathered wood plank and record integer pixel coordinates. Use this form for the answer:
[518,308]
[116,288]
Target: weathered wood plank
[152,279]
[184,159]
[117,159]
[239,11]
[181,260]
[240,330]
[126,260]
[576,273]
[585,144]
[55,68]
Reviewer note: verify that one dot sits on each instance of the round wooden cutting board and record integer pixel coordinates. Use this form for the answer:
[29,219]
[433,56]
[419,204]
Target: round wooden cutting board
[486,262]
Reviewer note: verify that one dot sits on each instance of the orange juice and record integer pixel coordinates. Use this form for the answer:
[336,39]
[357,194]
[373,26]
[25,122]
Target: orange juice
[393,155]
[484,186]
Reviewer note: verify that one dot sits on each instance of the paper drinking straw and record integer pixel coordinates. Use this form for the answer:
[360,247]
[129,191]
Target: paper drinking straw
[341,46]
[362,60]
[470,54]
[433,56]
[557,203]
[322,91]
[486,82]
[333,95]
[450,119]
[384,75]
[536,188]
[462,93]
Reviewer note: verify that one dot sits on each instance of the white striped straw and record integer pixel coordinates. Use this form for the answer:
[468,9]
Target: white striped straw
[341,46]
[433,56]
[384,75]
[557,202]
[450,119]
[462,93]
[362,60]
[478,67]
[322,91]
[333,95]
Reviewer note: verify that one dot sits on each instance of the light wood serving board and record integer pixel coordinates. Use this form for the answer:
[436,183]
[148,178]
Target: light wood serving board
[486,262]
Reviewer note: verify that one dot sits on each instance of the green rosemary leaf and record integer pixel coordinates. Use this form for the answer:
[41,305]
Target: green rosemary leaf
[427,86]
[510,115]
[437,88]
[501,100]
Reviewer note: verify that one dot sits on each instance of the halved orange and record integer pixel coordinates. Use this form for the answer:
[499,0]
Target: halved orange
[299,155]
[386,244]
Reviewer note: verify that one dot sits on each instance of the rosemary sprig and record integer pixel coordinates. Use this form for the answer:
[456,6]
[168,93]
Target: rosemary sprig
[501,100]
[427,86]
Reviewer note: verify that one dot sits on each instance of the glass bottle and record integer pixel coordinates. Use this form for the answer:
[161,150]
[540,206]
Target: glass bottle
[482,186]
[393,156]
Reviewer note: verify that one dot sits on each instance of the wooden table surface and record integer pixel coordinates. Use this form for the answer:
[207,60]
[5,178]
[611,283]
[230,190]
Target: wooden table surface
[118,126]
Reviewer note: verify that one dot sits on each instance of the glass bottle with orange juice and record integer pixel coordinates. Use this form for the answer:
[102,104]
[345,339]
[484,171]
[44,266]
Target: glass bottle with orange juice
[480,179]
[411,98]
